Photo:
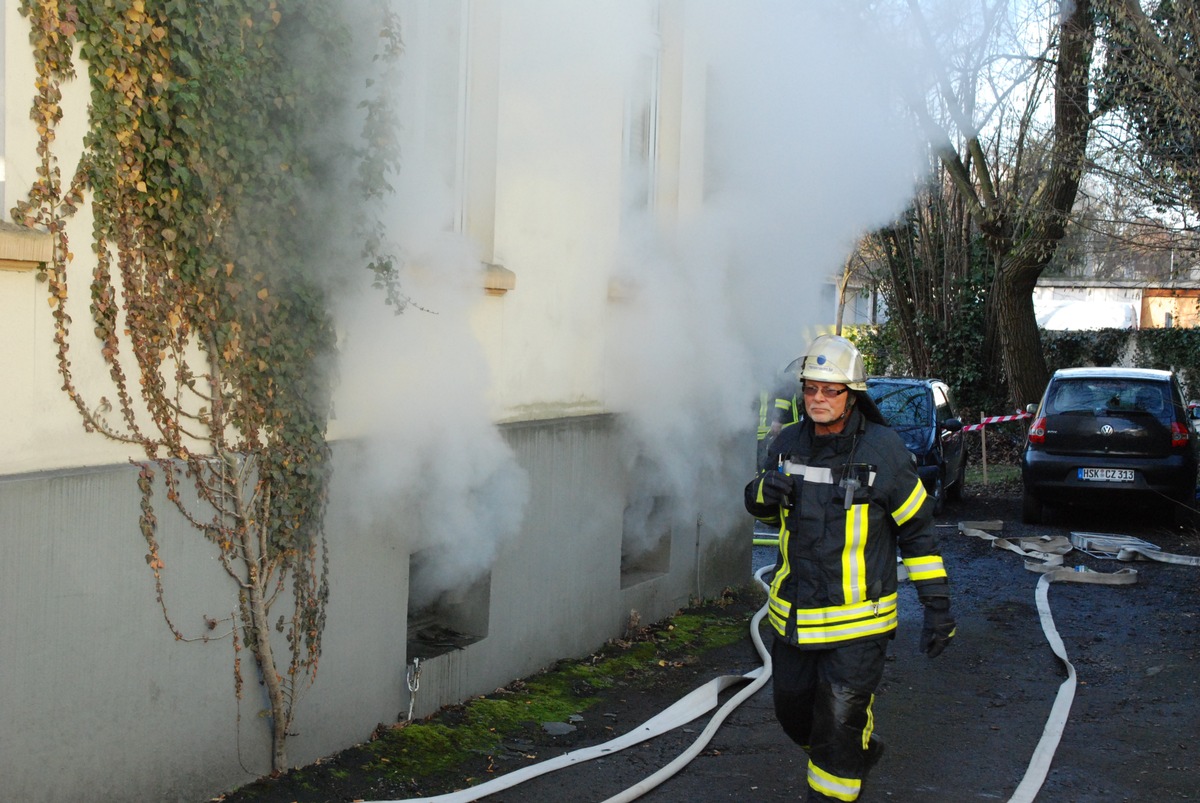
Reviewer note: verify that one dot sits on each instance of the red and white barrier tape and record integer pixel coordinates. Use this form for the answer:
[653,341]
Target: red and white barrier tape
[996,419]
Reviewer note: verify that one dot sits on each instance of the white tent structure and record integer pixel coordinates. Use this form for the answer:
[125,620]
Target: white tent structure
[1078,315]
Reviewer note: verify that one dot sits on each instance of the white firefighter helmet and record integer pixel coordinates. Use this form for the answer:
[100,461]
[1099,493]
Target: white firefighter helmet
[832,358]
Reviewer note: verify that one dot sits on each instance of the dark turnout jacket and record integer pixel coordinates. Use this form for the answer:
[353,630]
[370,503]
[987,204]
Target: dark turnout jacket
[858,500]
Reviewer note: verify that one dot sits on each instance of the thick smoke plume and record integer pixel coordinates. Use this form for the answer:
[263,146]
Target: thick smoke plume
[805,148]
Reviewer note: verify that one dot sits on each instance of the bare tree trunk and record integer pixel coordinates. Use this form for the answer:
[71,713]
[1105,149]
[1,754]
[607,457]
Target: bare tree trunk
[993,351]
[843,284]
[1039,234]
[1024,364]
[1024,230]
[265,657]
[897,249]
[252,535]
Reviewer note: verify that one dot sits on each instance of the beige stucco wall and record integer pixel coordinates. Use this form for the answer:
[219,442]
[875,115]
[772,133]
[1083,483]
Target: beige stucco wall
[39,427]
[481,431]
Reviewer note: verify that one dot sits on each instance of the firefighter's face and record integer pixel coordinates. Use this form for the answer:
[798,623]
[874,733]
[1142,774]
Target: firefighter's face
[825,402]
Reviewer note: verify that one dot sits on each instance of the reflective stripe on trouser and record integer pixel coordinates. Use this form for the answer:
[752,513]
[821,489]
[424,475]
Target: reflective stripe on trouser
[829,786]
[842,725]
[823,700]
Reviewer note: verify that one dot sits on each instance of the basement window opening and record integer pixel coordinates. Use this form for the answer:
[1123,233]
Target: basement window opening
[453,620]
[646,540]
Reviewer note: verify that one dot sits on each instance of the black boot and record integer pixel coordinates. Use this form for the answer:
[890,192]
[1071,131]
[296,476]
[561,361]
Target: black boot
[874,751]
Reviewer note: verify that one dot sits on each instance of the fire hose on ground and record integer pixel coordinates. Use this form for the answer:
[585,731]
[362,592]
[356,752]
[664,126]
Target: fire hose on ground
[1043,555]
[699,701]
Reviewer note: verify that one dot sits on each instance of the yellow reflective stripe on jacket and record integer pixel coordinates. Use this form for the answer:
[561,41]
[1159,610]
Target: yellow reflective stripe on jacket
[854,563]
[833,786]
[911,505]
[835,634]
[785,568]
[792,408]
[836,623]
[834,614]
[929,567]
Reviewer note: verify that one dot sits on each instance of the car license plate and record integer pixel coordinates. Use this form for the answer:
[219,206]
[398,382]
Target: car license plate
[1106,474]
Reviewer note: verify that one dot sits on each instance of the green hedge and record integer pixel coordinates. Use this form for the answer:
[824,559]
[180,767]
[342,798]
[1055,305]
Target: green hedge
[1173,349]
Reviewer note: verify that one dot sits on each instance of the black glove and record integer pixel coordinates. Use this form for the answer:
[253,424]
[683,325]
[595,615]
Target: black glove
[939,626]
[777,488]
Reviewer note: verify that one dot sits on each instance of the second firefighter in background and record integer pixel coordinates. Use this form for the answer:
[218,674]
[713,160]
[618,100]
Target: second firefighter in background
[845,494]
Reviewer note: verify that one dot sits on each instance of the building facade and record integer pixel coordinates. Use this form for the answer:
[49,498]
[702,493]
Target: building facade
[565,514]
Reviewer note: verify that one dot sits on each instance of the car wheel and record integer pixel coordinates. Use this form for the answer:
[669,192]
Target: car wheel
[939,496]
[1031,508]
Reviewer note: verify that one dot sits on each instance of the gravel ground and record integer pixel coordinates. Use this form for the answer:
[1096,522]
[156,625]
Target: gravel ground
[960,728]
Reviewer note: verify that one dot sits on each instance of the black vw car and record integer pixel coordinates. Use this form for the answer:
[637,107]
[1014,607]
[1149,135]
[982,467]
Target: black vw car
[1110,436]
[921,411]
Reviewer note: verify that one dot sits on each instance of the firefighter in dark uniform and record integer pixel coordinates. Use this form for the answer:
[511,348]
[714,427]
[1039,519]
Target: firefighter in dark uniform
[778,409]
[787,397]
[845,494]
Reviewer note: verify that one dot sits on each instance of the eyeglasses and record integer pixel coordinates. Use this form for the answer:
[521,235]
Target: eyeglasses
[828,393]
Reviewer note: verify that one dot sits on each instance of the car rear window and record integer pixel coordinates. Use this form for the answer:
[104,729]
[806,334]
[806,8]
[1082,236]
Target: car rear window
[1109,396]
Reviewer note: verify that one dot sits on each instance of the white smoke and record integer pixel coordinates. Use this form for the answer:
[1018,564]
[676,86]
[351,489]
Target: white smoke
[806,148]
[431,466]
[428,466]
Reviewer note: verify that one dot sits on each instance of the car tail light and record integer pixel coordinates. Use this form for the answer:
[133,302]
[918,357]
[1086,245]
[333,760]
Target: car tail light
[1179,434]
[1037,431]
